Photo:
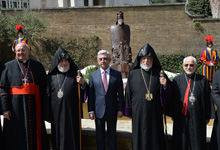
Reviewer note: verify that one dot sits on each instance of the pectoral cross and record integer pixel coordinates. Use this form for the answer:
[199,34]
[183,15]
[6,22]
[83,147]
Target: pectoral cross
[25,80]
[149,96]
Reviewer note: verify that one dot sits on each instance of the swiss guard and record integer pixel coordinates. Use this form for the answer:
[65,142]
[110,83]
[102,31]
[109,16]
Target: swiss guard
[209,58]
[21,38]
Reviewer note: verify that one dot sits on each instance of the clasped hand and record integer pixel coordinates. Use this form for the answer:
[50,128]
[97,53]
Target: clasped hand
[80,80]
[7,114]
[163,81]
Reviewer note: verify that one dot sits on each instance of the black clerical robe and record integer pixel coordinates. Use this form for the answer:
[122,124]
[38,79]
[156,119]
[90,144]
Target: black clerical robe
[65,110]
[215,94]
[1,139]
[147,119]
[189,131]
[26,129]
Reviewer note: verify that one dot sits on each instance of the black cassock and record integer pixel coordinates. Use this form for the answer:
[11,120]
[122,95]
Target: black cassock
[189,131]
[215,94]
[64,111]
[1,139]
[147,118]
[20,132]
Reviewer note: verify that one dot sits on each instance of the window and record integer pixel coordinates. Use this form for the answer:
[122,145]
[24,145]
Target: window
[4,4]
[15,4]
[21,5]
[99,2]
[25,5]
[86,3]
[95,2]
[11,4]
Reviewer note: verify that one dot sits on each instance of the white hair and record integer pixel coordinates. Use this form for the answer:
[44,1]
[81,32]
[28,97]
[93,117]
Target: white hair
[104,52]
[25,45]
[194,59]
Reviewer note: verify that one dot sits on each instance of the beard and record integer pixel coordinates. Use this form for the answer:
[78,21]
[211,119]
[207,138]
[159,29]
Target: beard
[146,67]
[120,21]
[63,69]
[191,72]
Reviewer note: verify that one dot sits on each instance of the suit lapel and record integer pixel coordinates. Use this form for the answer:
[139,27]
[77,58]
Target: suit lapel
[110,78]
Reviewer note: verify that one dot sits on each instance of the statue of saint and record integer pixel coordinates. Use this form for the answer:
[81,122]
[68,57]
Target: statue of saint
[121,50]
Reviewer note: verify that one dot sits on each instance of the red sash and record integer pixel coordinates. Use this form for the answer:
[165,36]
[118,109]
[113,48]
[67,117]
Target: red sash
[31,88]
[185,103]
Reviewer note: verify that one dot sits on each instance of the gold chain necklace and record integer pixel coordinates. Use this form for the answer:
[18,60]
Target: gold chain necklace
[60,92]
[149,96]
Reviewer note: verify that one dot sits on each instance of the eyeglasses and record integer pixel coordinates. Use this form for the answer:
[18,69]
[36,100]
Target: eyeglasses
[20,50]
[104,58]
[186,65]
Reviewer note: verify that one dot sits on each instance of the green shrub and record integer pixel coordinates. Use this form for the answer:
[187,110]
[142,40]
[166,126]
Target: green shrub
[199,69]
[171,78]
[173,63]
[198,26]
[82,50]
[2,26]
[218,66]
[33,26]
[200,7]
[88,71]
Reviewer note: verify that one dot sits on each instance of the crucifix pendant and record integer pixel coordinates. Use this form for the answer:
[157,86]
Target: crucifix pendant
[60,94]
[25,80]
[149,96]
[192,98]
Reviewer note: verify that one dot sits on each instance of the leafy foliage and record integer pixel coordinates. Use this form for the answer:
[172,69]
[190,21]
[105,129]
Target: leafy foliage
[173,63]
[88,71]
[82,50]
[200,7]
[195,7]
[198,26]
[32,24]
[2,25]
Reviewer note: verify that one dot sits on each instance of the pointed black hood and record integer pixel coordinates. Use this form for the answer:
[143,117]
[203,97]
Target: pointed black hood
[61,54]
[146,50]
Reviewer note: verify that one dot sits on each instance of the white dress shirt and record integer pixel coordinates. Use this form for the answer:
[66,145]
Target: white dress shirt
[107,73]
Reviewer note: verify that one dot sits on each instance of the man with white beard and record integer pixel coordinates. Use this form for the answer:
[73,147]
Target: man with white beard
[63,101]
[146,95]
[192,108]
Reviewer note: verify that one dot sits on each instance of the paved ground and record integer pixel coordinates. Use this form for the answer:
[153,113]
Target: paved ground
[124,124]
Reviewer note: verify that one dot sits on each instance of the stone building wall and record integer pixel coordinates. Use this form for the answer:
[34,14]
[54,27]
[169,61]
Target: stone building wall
[167,28]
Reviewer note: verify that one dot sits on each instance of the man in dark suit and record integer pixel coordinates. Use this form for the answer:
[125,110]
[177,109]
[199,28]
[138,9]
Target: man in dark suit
[106,100]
